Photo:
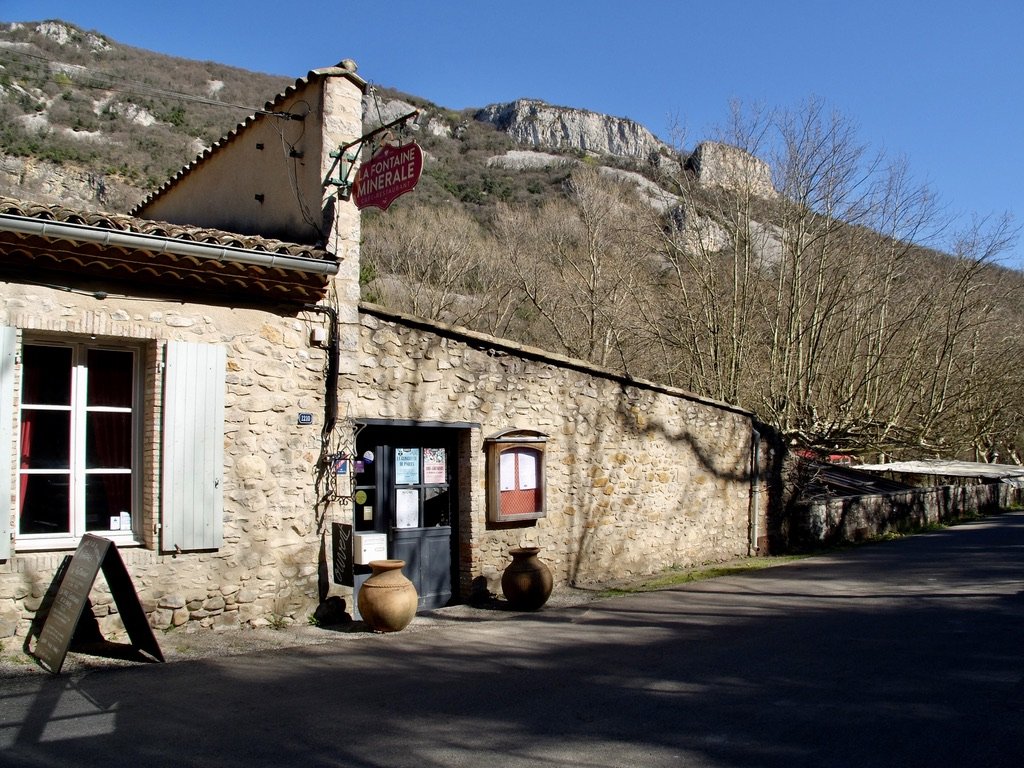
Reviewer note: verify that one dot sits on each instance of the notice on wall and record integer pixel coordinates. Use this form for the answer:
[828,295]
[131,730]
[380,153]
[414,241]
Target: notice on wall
[407,466]
[407,508]
[434,466]
[519,469]
[507,471]
[527,470]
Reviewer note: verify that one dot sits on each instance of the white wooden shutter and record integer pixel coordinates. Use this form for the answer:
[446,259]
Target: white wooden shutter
[8,341]
[193,447]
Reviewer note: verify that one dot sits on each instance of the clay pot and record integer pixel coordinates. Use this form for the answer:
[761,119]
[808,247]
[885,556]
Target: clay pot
[387,600]
[526,582]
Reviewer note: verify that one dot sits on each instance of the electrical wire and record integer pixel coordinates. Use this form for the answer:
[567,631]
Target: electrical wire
[107,81]
[288,148]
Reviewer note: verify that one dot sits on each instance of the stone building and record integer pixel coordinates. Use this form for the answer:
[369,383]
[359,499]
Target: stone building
[199,383]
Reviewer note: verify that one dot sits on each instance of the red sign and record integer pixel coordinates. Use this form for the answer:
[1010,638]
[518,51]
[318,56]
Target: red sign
[388,175]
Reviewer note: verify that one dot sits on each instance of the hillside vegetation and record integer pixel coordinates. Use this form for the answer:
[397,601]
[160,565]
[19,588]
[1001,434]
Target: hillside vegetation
[783,267]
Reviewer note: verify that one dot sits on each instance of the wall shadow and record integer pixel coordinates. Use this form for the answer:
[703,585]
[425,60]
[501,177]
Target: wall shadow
[902,654]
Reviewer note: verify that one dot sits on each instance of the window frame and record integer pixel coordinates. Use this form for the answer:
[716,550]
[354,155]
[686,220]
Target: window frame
[78,472]
[504,504]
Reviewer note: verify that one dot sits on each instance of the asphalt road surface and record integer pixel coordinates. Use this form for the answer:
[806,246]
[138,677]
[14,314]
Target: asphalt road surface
[906,653]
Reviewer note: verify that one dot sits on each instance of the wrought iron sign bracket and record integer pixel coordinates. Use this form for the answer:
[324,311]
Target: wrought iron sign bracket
[345,160]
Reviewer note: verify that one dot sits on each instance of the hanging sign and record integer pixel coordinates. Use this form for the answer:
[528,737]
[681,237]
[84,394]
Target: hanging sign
[388,175]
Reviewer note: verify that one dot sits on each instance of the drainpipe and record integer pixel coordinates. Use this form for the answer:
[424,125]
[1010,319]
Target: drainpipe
[331,382]
[755,481]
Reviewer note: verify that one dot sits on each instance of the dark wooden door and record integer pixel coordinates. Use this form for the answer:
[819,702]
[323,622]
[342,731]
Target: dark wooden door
[407,476]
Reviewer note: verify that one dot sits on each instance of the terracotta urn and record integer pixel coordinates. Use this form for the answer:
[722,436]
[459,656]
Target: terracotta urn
[526,581]
[387,599]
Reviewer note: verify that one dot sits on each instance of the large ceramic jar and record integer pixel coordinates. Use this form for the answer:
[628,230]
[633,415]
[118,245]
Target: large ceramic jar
[526,582]
[387,600]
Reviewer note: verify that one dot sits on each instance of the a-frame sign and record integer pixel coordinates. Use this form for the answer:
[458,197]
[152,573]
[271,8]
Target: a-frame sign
[94,554]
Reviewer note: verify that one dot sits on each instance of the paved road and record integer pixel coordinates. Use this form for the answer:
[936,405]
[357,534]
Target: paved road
[907,653]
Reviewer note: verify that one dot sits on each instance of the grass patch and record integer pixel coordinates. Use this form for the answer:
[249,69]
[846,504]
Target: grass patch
[932,527]
[677,576]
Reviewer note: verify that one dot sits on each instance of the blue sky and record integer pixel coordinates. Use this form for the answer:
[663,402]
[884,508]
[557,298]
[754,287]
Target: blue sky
[938,82]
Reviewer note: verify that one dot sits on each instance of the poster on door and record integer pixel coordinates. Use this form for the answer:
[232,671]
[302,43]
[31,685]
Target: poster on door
[407,508]
[407,466]
[434,466]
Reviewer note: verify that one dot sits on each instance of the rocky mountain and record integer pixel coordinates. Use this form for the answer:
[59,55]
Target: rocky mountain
[95,124]
[771,303]
[541,125]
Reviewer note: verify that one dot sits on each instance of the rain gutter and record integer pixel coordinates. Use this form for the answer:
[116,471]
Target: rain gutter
[84,233]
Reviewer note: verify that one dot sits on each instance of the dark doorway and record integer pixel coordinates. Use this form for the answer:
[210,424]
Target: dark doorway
[407,487]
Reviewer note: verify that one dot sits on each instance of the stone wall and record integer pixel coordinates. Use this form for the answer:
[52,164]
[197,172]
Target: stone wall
[266,570]
[639,477]
[853,519]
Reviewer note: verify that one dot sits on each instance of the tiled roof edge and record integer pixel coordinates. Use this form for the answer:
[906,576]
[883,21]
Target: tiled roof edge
[131,224]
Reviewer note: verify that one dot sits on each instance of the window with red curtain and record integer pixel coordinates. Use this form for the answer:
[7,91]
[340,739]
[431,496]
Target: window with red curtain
[77,442]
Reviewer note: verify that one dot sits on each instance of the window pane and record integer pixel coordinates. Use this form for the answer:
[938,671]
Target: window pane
[108,502]
[108,440]
[44,504]
[110,378]
[436,506]
[45,439]
[46,376]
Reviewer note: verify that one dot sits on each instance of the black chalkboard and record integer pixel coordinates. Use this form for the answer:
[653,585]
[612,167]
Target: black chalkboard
[341,543]
[94,553]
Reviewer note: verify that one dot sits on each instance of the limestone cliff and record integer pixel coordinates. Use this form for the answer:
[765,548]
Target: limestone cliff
[544,126]
[70,184]
[721,165]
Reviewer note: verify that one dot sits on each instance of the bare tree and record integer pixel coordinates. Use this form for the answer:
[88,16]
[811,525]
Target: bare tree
[819,308]
[577,261]
[834,303]
[436,263]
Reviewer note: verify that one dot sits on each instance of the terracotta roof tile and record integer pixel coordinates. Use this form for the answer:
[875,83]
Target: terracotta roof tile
[124,223]
[31,257]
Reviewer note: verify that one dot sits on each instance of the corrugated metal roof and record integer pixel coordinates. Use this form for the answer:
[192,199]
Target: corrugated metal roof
[824,480]
[948,468]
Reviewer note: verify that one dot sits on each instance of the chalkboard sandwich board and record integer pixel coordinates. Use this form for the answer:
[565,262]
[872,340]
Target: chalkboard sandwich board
[94,554]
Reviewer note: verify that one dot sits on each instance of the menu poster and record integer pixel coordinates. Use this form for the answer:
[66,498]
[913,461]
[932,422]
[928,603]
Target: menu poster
[507,473]
[407,508]
[527,471]
[434,466]
[407,466]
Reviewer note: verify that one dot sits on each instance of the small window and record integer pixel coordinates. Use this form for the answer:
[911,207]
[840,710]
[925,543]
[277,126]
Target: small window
[78,444]
[515,476]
